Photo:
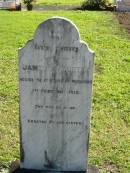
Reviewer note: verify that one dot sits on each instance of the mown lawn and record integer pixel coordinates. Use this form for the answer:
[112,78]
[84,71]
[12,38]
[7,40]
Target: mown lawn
[110,124]
[59,2]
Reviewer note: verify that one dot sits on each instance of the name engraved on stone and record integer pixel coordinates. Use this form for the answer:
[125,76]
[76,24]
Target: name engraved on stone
[55,74]
[66,75]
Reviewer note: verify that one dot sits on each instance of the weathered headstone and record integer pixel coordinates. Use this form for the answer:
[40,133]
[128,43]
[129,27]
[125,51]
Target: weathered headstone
[123,5]
[55,72]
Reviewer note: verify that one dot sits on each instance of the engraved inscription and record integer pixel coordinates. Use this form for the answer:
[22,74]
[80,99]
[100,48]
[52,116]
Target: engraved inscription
[51,122]
[47,48]
[58,91]
[54,107]
[74,75]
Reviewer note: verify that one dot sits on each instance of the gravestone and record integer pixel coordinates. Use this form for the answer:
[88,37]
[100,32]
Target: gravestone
[55,73]
[123,5]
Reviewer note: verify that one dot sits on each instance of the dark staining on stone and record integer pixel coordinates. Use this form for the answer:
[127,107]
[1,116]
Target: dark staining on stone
[53,76]
[55,35]
[67,75]
[22,154]
[56,60]
[48,164]
[57,53]
[82,74]
[88,141]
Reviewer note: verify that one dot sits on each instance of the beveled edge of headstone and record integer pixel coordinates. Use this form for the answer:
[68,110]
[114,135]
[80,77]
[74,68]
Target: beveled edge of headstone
[41,25]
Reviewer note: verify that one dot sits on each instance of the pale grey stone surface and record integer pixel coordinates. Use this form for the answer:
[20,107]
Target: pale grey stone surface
[55,73]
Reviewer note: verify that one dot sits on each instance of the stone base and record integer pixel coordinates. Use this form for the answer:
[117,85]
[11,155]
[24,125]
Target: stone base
[90,170]
[14,168]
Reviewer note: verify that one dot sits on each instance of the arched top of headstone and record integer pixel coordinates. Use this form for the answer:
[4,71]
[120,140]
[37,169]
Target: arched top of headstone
[58,31]
[55,34]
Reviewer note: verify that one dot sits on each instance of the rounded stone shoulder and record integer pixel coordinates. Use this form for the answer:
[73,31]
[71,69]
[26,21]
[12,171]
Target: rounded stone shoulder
[57,30]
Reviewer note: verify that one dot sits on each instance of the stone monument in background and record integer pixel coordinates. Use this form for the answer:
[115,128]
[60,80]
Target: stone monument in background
[55,73]
[123,5]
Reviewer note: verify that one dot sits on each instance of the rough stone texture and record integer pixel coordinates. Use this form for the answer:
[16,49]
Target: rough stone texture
[55,73]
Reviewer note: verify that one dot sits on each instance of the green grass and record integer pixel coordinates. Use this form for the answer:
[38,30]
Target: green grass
[110,125]
[59,2]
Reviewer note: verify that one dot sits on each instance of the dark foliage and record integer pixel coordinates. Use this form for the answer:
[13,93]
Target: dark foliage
[94,4]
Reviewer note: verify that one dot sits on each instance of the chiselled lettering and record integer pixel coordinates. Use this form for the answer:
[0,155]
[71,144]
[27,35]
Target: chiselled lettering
[30,67]
[54,107]
[51,122]
[47,48]
[50,91]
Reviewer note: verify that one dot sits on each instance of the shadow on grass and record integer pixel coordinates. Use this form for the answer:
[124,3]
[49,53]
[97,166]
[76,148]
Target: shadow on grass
[107,8]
